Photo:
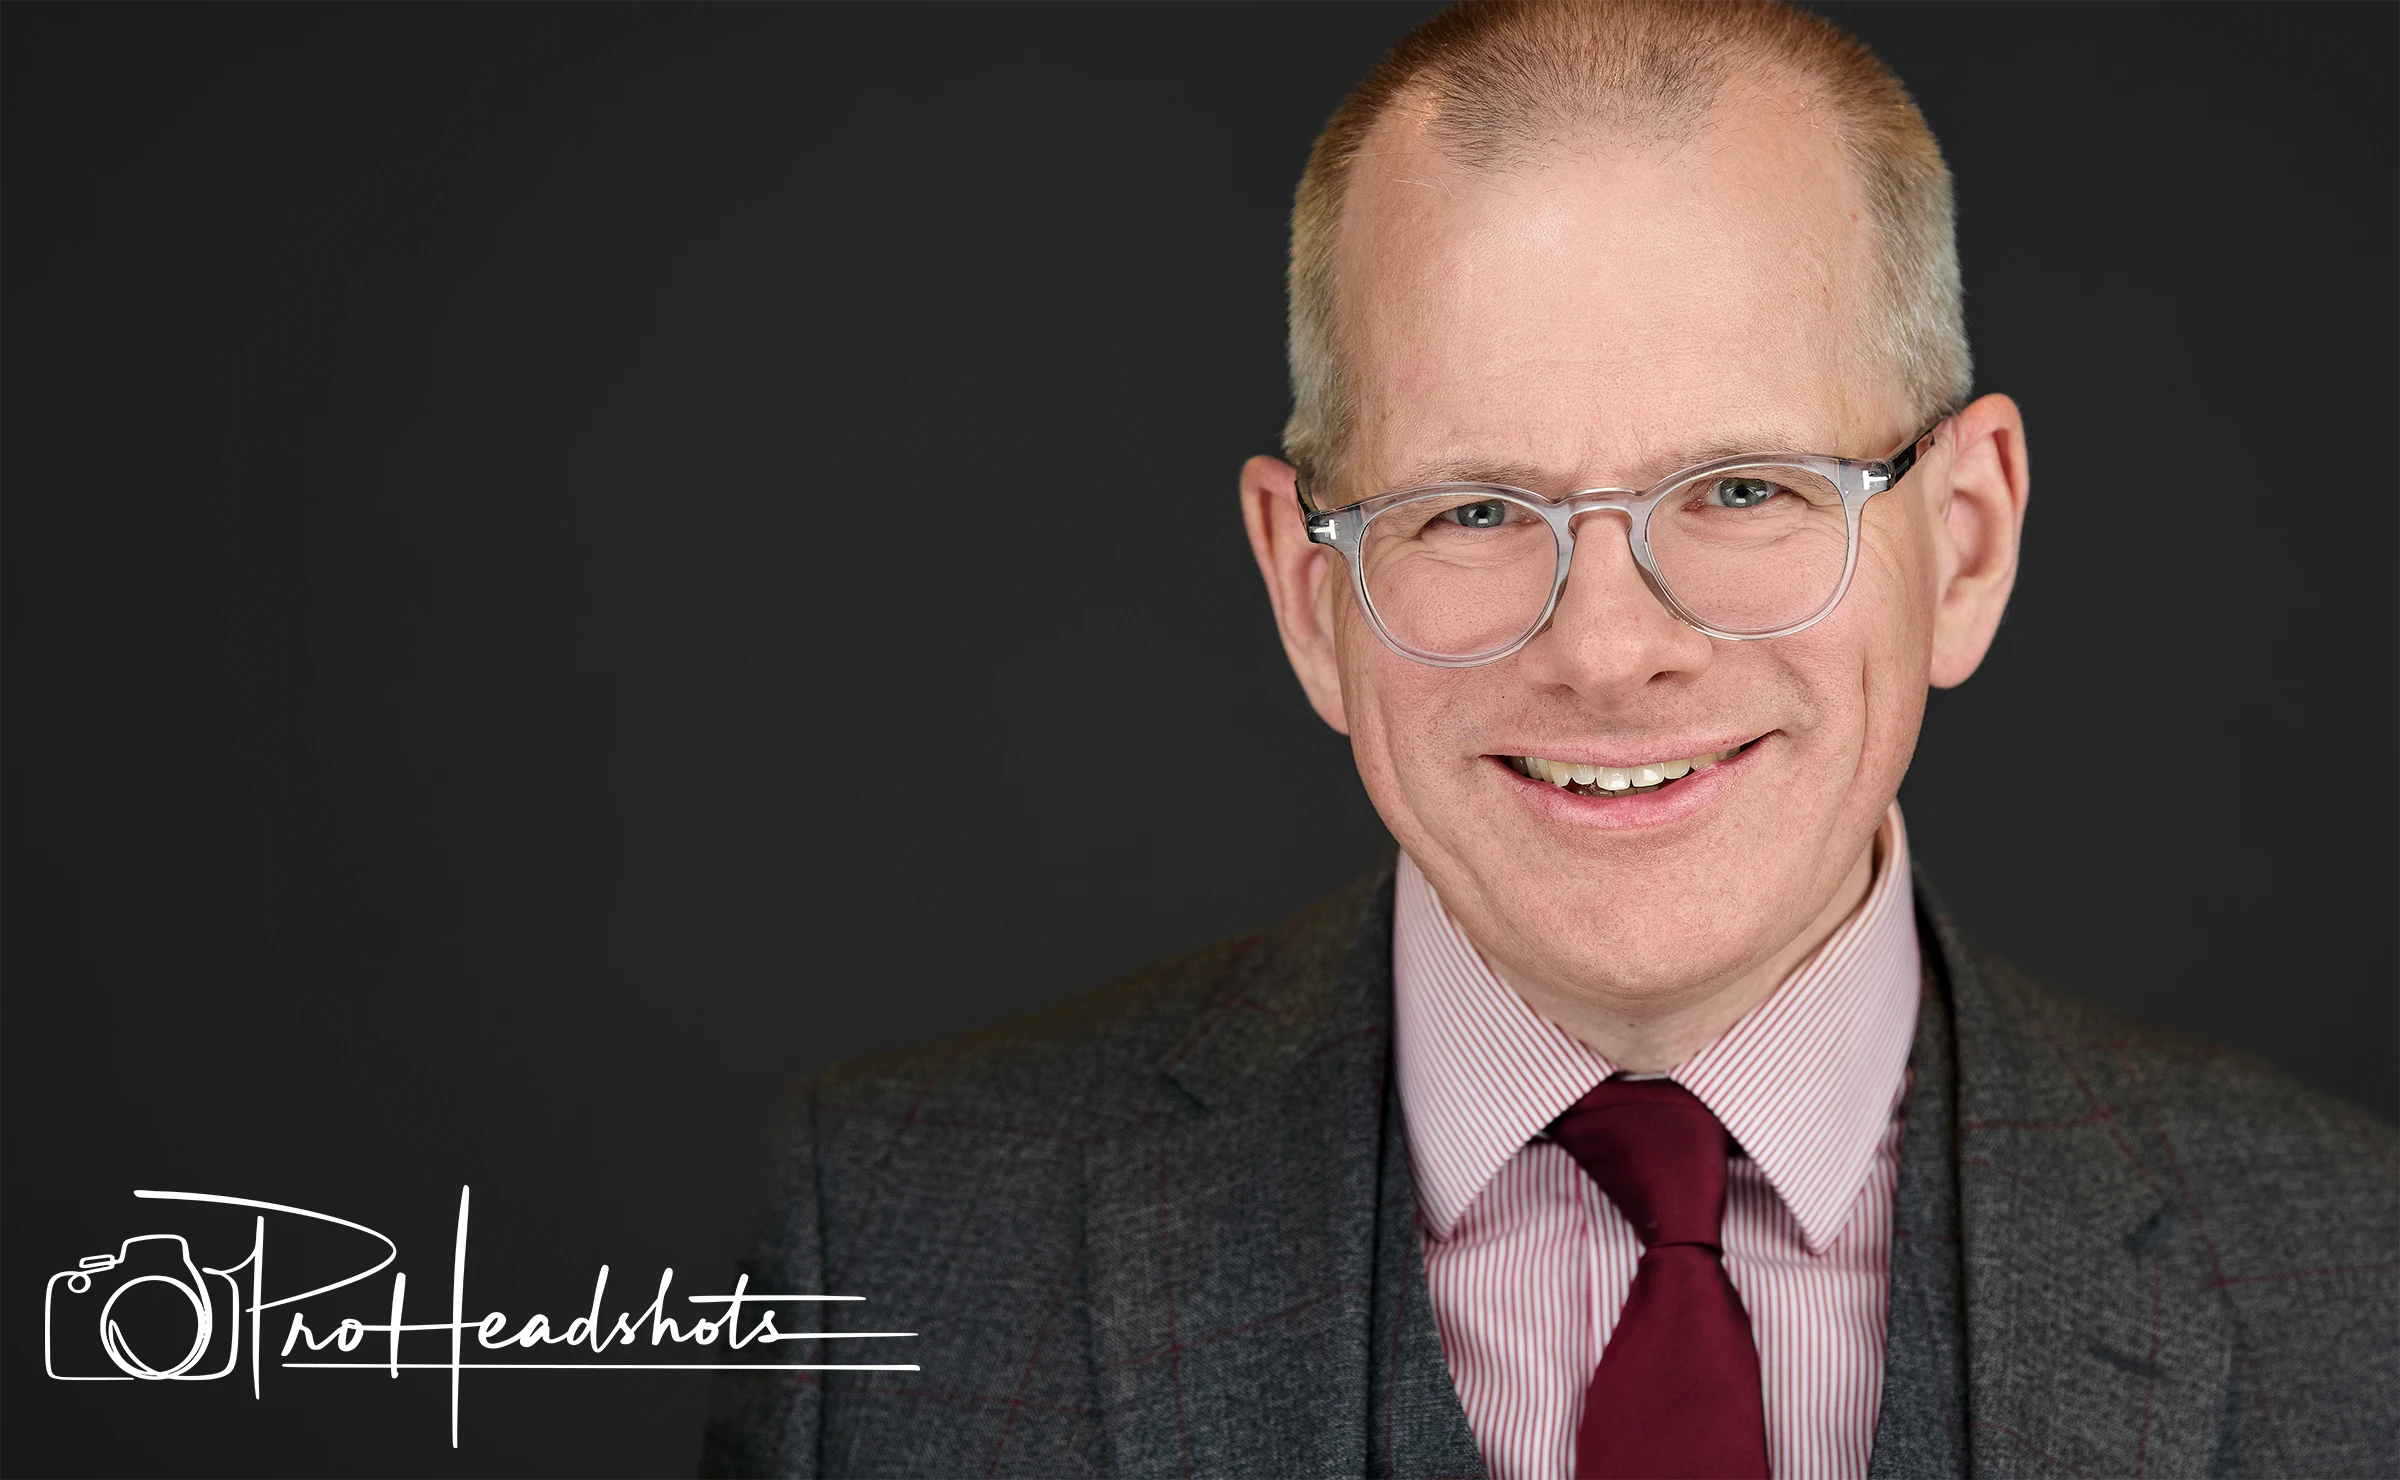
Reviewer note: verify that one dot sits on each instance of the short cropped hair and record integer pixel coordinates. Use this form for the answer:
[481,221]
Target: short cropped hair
[1499,81]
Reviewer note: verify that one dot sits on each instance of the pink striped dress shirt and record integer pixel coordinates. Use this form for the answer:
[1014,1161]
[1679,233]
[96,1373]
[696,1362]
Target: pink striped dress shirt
[1529,1264]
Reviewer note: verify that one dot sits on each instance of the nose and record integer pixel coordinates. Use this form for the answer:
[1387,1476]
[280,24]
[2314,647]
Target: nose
[1611,634]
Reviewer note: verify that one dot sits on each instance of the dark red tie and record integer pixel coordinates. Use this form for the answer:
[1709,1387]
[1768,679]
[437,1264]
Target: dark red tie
[1677,1393]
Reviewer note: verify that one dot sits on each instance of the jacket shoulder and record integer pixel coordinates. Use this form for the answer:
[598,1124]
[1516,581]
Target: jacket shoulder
[2279,1177]
[947,1185]
[1087,1064]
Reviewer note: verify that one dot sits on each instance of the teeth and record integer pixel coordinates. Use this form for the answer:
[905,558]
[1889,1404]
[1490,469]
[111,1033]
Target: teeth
[1613,780]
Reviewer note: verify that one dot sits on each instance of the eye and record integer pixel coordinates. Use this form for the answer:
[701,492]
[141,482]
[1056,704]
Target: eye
[1489,513]
[1741,493]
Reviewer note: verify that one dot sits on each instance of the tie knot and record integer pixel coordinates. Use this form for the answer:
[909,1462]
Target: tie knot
[1657,1152]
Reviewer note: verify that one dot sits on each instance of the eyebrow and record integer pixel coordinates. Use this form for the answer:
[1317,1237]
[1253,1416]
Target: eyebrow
[1657,466]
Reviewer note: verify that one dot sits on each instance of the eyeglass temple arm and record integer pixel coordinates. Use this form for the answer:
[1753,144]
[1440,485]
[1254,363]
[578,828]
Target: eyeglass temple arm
[1900,462]
[1312,518]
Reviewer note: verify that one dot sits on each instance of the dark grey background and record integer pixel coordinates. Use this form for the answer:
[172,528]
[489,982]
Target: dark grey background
[479,708]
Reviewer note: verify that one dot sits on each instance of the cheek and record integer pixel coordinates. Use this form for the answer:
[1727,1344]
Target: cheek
[1874,647]
[1865,665]
[1374,699]
[1895,576]
[1410,723]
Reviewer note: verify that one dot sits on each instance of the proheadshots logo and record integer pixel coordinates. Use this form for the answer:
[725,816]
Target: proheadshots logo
[153,1312]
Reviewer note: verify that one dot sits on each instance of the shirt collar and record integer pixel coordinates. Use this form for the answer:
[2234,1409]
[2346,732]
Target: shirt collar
[1807,1081]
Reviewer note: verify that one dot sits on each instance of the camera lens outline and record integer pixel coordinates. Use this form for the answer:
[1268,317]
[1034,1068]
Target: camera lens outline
[120,1351]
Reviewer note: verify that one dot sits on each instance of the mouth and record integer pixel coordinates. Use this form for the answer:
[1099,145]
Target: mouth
[1618,781]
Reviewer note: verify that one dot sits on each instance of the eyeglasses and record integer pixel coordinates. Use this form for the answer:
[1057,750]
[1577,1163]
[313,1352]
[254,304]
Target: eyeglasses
[1458,574]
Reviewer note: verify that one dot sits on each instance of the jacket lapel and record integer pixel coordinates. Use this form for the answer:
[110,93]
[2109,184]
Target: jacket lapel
[1416,1427]
[1238,1228]
[2093,1344]
[1919,1425]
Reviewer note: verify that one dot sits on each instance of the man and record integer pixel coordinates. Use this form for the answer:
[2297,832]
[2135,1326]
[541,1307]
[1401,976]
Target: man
[1643,1118]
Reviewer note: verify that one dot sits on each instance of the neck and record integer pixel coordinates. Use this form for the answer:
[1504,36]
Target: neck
[1653,1042]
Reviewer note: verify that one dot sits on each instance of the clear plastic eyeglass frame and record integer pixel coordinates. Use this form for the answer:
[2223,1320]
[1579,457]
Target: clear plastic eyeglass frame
[1344,529]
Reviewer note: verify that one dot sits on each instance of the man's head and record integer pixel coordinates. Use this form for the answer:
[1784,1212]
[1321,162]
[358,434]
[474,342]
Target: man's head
[1585,244]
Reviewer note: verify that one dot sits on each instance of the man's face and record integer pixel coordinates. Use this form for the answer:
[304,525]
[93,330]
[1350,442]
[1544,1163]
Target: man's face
[1603,317]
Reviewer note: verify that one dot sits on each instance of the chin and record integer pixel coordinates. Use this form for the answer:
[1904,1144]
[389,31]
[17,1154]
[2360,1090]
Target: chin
[1640,964]
[1632,916]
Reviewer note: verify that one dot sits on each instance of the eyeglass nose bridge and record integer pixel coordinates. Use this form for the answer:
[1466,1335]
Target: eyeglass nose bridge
[1595,500]
[1632,503]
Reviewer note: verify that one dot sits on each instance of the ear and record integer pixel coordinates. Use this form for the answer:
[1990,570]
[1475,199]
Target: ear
[1976,533]
[1302,581]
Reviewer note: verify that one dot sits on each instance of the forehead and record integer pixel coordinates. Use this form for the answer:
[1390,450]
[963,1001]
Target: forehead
[1603,305]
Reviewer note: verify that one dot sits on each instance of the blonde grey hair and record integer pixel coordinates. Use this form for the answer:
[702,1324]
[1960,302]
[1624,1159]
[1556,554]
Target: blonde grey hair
[1498,79]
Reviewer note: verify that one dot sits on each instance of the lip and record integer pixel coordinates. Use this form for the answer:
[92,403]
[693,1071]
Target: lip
[1662,808]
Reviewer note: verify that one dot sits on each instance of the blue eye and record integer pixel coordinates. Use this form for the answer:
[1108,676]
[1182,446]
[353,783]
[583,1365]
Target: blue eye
[1488,514]
[1741,493]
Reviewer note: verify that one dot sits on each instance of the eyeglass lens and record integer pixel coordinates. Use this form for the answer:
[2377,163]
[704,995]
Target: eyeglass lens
[1462,574]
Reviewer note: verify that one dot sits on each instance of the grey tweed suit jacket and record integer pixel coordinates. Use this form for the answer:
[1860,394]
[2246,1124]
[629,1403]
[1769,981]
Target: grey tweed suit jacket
[1167,1229]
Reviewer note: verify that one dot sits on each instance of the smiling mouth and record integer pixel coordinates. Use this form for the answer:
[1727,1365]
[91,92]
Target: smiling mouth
[1617,781]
